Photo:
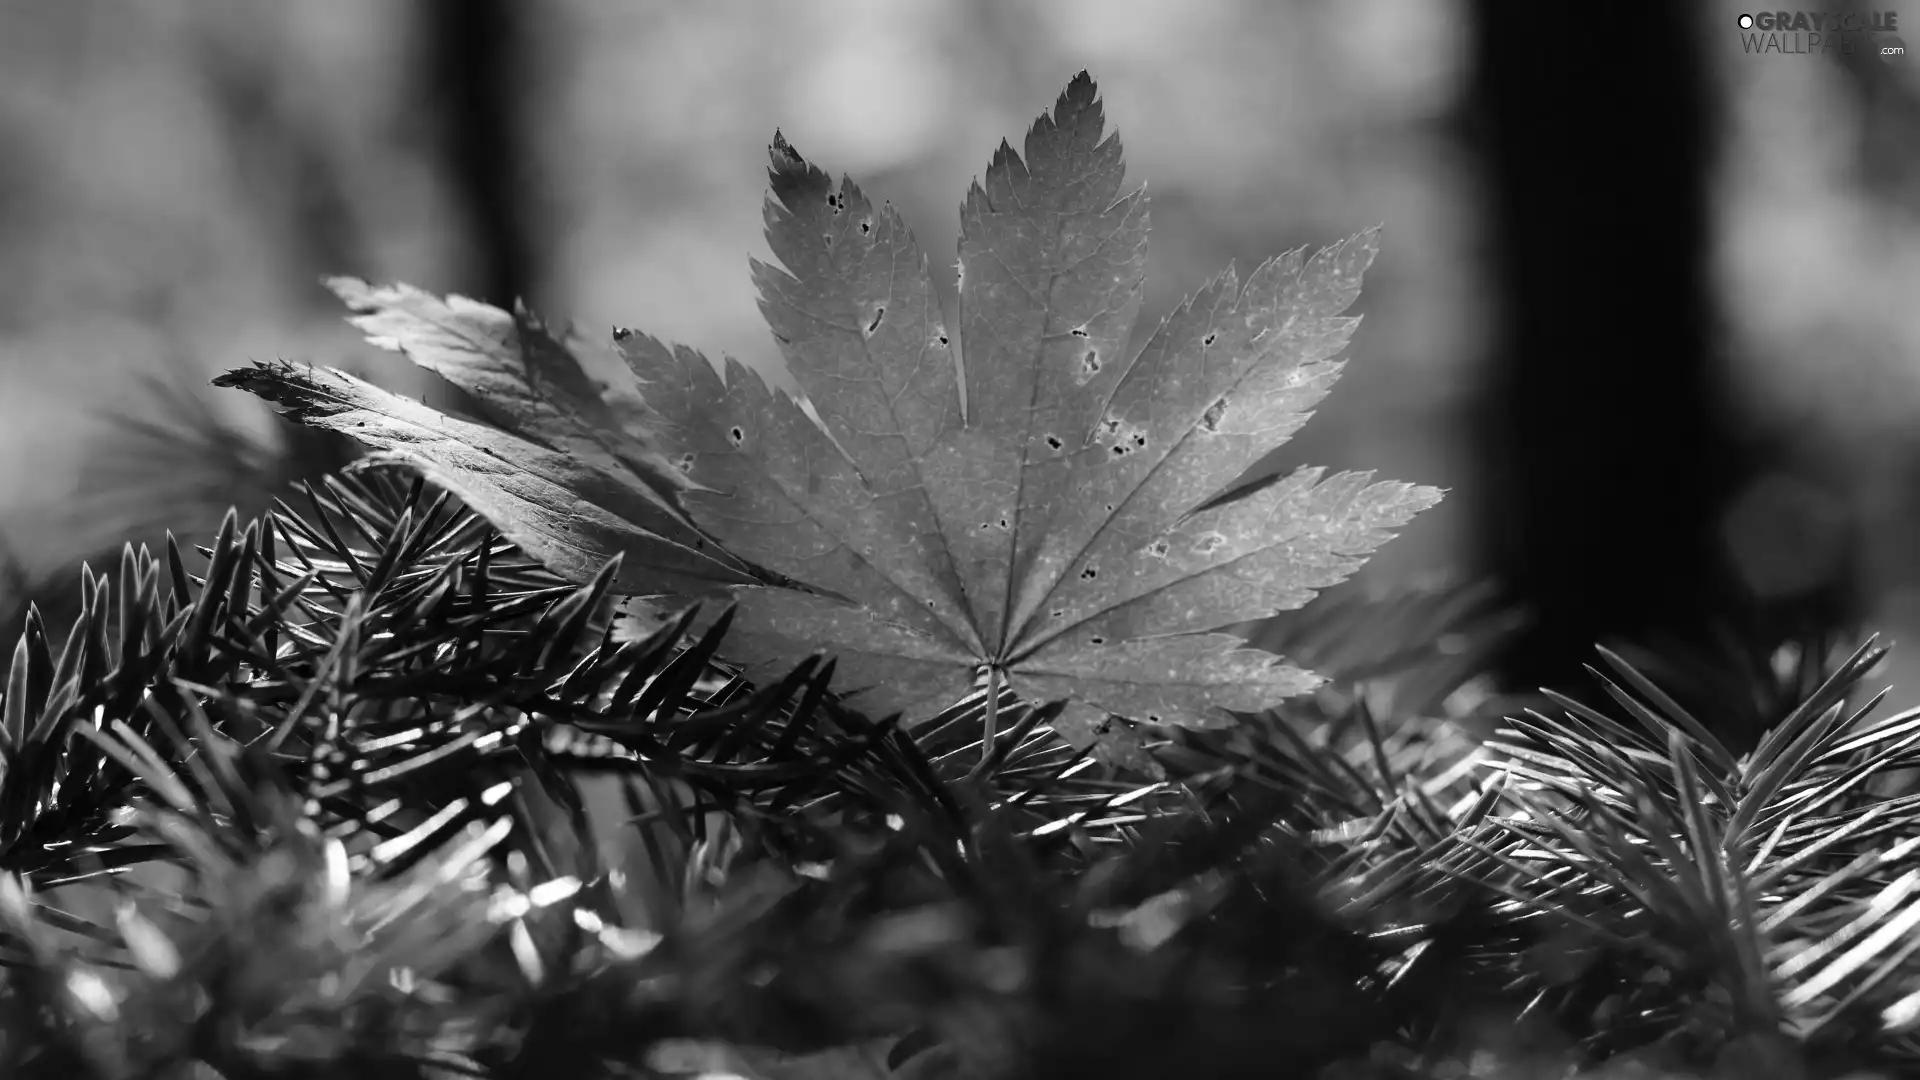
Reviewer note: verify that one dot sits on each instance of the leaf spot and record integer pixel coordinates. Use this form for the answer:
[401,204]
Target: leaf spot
[1211,420]
[1208,543]
[1089,365]
[736,436]
[1158,549]
[686,461]
[1134,441]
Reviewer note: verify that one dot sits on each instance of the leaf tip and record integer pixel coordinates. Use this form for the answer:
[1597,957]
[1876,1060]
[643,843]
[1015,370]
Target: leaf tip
[783,155]
[1079,107]
[352,291]
[792,177]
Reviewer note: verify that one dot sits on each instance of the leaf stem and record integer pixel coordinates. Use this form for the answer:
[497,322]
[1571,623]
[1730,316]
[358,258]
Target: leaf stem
[990,730]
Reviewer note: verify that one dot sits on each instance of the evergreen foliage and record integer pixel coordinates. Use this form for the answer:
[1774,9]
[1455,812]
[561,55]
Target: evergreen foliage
[329,810]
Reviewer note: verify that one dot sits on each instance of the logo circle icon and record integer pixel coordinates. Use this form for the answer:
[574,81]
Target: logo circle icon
[1746,22]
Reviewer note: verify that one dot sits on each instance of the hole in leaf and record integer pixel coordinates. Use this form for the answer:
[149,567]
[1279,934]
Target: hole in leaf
[1139,439]
[1208,340]
[1113,427]
[1003,523]
[1054,443]
[878,314]
[828,237]
[1057,615]
[866,227]
[621,333]
[943,341]
[1159,548]
[1154,718]
[1089,573]
[1079,331]
[736,435]
[1211,421]
[1209,543]
[686,463]
[1097,640]
[833,200]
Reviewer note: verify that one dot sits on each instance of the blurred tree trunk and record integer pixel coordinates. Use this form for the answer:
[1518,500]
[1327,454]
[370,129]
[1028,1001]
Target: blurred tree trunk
[478,68]
[1606,457]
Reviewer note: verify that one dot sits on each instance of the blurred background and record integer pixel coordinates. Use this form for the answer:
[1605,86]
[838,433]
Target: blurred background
[1646,302]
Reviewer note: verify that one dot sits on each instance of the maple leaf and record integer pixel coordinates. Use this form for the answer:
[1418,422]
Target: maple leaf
[1059,525]
[1065,533]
